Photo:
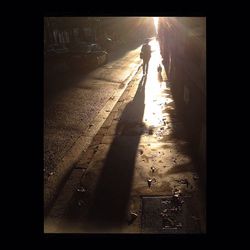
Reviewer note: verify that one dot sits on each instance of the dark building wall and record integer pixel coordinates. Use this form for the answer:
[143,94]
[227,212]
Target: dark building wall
[183,48]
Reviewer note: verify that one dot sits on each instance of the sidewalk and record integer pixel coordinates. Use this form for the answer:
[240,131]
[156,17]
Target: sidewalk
[136,164]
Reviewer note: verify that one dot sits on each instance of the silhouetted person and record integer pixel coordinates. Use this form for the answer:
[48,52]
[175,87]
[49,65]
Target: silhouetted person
[145,55]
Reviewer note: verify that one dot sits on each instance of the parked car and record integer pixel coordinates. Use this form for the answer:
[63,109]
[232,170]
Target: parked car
[87,56]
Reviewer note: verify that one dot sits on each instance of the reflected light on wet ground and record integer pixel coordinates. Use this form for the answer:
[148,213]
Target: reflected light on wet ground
[156,20]
[155,85]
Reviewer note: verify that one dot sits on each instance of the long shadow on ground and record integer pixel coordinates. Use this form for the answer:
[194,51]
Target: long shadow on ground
[108,209]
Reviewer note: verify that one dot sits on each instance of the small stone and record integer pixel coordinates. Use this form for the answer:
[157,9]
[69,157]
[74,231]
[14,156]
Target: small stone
[132,216]
[81,189]
[149,182]
[166,202]
[164,215]
[176,192]
[179,225]
[175,209]
[80,203]
[195,177]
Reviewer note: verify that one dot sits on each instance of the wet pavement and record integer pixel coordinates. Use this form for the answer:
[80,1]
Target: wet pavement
[137,175]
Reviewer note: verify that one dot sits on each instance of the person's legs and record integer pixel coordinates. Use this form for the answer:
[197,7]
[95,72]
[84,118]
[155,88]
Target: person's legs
[143,67]
[147,67]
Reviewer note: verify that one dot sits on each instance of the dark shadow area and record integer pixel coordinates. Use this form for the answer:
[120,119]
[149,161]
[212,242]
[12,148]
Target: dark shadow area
[191,116]
[186,126]
[179,129]
[109,209]
[181,168]
[109,203]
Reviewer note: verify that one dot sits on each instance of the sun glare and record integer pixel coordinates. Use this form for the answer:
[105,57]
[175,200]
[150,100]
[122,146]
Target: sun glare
[156,19]
[154,97]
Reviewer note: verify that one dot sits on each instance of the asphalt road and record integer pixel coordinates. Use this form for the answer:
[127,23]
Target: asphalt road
[70,109]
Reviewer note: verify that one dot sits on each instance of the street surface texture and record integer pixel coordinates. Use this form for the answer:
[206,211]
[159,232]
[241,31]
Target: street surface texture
[137,175]
[76,108]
